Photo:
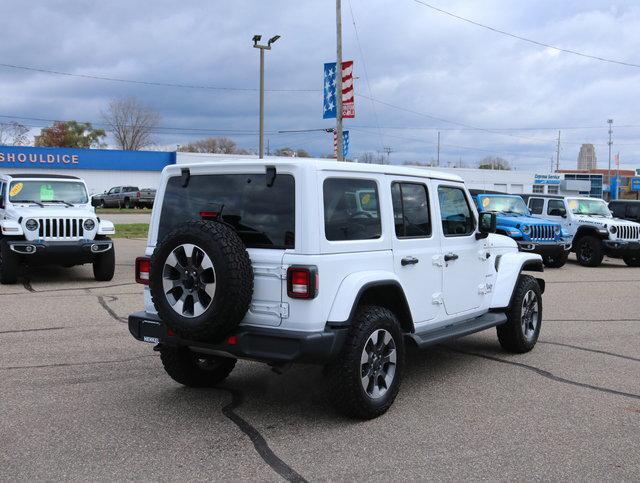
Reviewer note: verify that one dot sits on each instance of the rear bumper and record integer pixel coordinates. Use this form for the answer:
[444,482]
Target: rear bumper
[544,248]
[256,343]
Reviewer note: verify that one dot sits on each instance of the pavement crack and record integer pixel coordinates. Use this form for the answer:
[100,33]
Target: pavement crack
[109,310]
[26,283]
[71,364]
[259,442]
[546,374]
[18,331]
[587,349]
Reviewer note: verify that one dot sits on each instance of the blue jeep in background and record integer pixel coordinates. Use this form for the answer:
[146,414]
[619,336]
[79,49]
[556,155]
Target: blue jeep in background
[532,234]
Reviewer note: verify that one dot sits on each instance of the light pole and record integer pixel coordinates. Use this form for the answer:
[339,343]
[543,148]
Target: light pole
[256,39]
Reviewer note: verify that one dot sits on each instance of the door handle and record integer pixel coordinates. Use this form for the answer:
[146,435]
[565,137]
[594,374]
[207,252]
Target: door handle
[409,261]
[450,256]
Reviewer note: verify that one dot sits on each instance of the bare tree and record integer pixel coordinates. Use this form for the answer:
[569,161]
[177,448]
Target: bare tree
[131,123]
[215,145]
[494,162]
[13,134]
[372,158]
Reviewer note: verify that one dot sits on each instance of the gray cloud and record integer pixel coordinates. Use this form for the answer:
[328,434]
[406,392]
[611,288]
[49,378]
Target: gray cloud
[415,58]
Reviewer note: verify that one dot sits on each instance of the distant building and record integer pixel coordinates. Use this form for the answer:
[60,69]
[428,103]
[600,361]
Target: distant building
[587,157]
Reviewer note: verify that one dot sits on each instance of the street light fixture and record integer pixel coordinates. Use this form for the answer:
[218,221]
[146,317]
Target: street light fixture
[262,47]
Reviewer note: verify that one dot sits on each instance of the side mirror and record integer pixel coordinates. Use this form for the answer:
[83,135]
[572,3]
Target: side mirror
[486,225]
[94,202]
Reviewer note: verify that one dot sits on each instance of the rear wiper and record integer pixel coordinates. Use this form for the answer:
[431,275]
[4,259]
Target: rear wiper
[60,201]
[29,201]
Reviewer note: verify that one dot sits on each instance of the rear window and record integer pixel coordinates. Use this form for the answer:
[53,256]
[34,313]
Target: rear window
[263,216]
[536,205]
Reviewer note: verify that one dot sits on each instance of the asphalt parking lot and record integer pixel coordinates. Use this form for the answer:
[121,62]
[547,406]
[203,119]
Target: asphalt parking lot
[81,399]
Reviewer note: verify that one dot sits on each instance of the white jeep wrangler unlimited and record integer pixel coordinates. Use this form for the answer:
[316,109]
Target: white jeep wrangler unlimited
[47,219]
[314,261]
[593,229]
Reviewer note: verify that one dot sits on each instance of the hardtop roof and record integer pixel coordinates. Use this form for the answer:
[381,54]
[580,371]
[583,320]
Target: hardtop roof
[38,176]
[320,165]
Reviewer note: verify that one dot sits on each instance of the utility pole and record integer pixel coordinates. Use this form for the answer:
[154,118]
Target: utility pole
[558,154]
[438,149]
[256,39]
[339,153]
[610,122]
[388,150]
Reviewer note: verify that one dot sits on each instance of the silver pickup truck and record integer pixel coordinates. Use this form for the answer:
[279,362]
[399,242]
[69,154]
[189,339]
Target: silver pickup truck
[125,197]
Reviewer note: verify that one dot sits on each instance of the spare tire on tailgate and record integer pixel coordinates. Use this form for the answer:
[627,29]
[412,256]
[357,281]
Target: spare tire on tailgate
[201,280]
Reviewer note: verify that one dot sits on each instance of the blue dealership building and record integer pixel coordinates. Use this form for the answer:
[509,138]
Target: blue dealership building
[100,168]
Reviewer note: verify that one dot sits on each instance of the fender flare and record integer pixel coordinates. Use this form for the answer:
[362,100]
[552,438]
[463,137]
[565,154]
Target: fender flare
[10,228]
[353,288]
[105,227]
[509,269]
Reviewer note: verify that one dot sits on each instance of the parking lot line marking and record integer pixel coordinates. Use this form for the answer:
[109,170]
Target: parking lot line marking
[597,351]
[547,374]
[71,364]
[29,330]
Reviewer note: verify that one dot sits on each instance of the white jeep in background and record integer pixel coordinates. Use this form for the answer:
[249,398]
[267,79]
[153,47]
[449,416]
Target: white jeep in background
[48,220]
[339,264]
[593,229]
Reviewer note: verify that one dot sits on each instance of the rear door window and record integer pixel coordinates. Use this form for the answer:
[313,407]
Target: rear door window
[556,208]
[411,210]
[351,209]
[263,216]
[633,211]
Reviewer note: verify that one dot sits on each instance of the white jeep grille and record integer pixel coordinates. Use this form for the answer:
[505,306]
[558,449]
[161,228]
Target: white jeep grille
[60,228]
[542,232]
[628,232]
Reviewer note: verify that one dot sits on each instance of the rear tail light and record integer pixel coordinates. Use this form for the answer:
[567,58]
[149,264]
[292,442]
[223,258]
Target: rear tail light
[302,282]
[143,269]
[138,194]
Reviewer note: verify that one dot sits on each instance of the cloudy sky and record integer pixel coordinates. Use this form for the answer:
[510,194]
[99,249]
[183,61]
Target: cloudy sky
[427,72]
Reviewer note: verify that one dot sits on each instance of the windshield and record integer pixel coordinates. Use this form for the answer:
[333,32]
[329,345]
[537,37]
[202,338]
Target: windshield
[47,191]
[504,204]
[591,207]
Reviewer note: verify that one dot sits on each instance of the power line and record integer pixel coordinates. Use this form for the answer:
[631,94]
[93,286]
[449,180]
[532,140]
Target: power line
[366,75]
[525,39]
[148,83]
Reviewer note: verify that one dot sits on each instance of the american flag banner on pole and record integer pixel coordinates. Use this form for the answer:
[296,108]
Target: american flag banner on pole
[329,104]
[345,144]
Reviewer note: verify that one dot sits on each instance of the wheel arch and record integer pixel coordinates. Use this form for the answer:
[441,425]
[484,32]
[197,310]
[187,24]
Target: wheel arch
[509,269]
[384,291]
[587,231]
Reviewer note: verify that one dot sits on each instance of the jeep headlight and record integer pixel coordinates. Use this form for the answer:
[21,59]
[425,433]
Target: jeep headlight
[557,229]
[526,229]
[31,224]
[89,224]
[613,229]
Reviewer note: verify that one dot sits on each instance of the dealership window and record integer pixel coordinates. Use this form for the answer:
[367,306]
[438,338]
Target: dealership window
[351,209]
[553,189]
[455,212]
[411,210]
[538,188]
[536,205]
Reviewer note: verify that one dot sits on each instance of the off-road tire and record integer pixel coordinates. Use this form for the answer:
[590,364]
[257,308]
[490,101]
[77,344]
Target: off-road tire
[104,265]
[555,261]
[510,334]
[9,265]
[183,367]
[591,245]
[632,260]
[345,374]
[233,277]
